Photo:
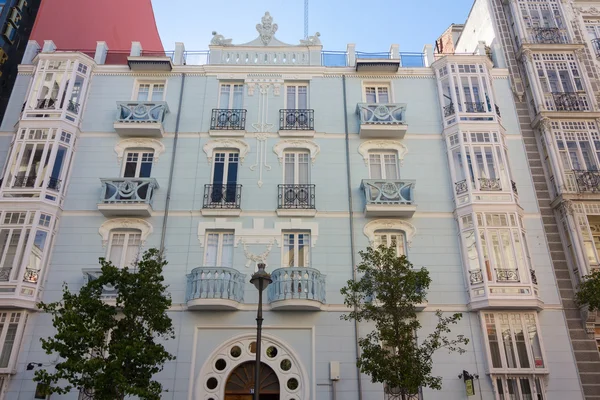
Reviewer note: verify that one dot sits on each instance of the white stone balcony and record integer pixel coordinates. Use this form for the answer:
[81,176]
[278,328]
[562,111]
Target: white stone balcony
[215,288]
[378,120]
[389,197]
[141,118]
[296,288]
[127,196]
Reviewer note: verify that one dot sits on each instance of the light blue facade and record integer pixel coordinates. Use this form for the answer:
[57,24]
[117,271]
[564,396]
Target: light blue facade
[308,331]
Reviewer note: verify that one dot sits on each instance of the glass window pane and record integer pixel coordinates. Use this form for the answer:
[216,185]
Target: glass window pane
[143,92]
[391,166]
[303,169]
[133,248]
[224,101]
[238,96]
[370,95]
[534,339]
[227,255]
[290,165]
[515,321]
[9,340]
[288,249]
[492,337]
[375,168]
[212,244]
[291,97]
[158,92]
[509,348]
[302,97]
[116,249]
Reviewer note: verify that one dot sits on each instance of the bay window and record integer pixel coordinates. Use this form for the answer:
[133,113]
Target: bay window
[219,249]
[124,247]
[561,81]
[296,249]
[578,145]
[465,88]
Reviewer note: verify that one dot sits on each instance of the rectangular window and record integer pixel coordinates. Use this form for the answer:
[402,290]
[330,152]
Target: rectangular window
[296,249]
[219,249]
[377,94]
[150,92]
[138,164]
[383,165]
[9,327]
[296,169]
[391,239]
[231,96]
[124,248]
[296,97]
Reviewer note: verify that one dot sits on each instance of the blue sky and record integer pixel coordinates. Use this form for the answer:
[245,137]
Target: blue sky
[372,24]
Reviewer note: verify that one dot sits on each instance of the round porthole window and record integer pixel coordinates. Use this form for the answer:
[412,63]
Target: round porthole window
[271,352]
[235,351]
[220,364]
[285,365]
[292,383]
[212,383]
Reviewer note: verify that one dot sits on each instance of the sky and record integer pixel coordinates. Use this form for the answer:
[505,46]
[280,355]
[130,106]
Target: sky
[373,25]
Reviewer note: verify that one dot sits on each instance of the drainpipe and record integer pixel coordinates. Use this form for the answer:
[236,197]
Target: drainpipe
[174,152]
[351,220]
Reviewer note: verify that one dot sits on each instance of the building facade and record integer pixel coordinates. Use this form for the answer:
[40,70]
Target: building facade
[551,50]
[298,158]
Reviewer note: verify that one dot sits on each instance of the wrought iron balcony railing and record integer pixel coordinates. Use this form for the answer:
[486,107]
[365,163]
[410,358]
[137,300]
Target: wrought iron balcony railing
[73,107]
[141,111]
[46,104]
[388,191]
[567,101]
[475,276]
[226,196]
[507,275]
[449,110]
[548,35]
[301,196]
[533,276]
[296,120]
[461,186]
[498,111]
[300,283]
[128,190]
[490,184]
[381,113]
[596,47]
[476,107]
[108,291]
[54,184]
[24,181]
[215,283]
[514,187]
[228,119]
[587,181]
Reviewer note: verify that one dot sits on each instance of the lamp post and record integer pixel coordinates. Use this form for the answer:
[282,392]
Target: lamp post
[260,279]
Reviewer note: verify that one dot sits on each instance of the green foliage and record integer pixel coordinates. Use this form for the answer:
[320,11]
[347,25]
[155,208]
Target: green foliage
[106,348]
[387,295]
[589,291]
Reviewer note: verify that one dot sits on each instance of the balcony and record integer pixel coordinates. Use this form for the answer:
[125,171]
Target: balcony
[228,122]
[222,200]
[296,122]
[376,62]
[215,288]
[151,61]
[296,200]
[389,198]
[382,120]
[548,36]
[503,288]
[587,181]
[484,185]
[596,47]
[296,288]
[141,118]
[127,196]
[109,292]
[469,111]
[567,101]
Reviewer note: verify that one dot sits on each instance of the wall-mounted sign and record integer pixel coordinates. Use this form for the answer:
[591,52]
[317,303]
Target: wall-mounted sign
[470,387]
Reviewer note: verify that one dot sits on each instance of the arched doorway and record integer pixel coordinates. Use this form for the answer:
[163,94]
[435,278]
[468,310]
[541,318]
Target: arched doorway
[240,384]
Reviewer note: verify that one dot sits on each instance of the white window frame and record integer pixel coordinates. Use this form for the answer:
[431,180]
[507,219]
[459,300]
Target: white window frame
[388,233]
[297,154]
[22,318]
[576,131]
[227,161]
[128,233]
[571,66]
[377,86]
[382,163]
[232,86]
[306,246]
[220,240]
[296,86]
[152,84]
[142,154]
[506,395]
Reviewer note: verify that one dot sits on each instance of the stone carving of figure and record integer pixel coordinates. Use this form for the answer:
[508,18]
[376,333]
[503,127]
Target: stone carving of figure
[312,40]
[267,29]
[219,40]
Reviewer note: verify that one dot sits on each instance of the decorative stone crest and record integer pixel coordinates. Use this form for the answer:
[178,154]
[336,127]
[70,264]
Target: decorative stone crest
[219,40]
[312,40]
[260,258]
[266,29]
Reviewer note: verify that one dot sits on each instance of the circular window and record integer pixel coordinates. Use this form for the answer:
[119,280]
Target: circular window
[252,347]
[221,364]
[271,352]
[292,383]
[235,351]
[212,383]
[285,365]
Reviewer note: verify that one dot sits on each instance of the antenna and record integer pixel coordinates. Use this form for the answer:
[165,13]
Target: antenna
[305,19]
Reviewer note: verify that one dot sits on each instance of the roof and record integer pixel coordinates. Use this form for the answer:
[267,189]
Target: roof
[79,24]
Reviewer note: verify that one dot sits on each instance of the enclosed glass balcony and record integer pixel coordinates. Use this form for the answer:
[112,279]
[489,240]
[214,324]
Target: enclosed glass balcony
[215,288]
[127,196]
[141,118]
[389,197]
[296,288]
[378,120]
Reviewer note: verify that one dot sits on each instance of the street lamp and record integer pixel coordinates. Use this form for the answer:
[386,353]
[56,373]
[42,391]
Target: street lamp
[260,279]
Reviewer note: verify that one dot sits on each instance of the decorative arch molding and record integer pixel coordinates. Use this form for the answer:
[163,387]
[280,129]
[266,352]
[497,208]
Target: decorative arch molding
[306,144]
[395,145]
[390,224]
[146,143]
[284,352]
[125,223]
[210,147]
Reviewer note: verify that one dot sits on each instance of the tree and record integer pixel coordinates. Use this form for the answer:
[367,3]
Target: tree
[110,350]
[387,295]
[589,291]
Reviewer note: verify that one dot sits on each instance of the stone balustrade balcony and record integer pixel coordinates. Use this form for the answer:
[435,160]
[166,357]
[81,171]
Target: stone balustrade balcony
[215,288]
[382,120]
[141,118]
[389,197]
[127,196]
[296,288]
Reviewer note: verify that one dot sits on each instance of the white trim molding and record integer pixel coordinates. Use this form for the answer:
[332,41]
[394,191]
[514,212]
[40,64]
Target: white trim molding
[304,144]
[138,143]
[125,223]
[390,224]
[369,145]
[210,147]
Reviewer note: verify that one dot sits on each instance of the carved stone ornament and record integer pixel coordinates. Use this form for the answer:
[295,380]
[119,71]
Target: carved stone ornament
[309,145]
[395,145]
[210,147]
[546,124]
[588,11]
[256,258]
[139,143]
[566,207]
[527,55]
[125,223]
[312,40]
[266,29]
[390,224]
[219,40]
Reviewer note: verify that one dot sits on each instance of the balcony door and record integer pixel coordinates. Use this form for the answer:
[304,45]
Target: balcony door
[297,168]
[150,92]
[231,96]
[383,165]
[377,94]
[138,164]
[225,171]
